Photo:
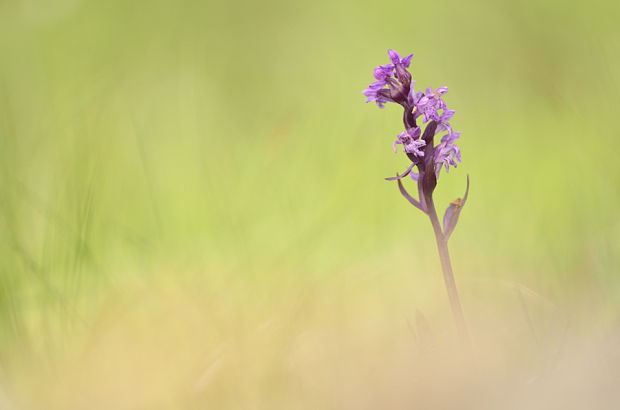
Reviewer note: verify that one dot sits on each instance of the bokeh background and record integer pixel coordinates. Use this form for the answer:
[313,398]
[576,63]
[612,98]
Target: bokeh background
[193,212]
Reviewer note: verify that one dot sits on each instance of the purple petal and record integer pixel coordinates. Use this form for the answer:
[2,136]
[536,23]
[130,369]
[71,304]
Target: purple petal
[383,71]
[447,115]
[394,56]
[407,61]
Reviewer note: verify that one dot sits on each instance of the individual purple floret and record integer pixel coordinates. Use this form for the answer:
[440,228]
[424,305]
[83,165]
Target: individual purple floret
[434,103]
[382,74]
[447,153]
[373,94]
[393,81]
[400,66]
[411,142]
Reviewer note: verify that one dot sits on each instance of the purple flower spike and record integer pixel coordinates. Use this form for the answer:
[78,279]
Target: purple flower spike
[393,83]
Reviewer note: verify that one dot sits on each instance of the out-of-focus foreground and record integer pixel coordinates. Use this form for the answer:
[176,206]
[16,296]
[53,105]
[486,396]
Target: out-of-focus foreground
[193,212]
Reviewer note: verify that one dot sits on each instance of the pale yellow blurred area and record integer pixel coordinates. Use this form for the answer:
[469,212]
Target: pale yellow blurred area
[182,346]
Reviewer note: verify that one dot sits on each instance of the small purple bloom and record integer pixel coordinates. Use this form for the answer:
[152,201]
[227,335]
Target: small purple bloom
[411,141]
[383,74]
[434,103]
[373,92]
[447,153]
[393,81]
[400,67]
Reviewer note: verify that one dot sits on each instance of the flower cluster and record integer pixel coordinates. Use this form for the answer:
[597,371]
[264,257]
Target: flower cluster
[394,84]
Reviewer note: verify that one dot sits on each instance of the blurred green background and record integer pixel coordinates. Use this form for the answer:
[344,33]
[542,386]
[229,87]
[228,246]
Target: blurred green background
[222,152]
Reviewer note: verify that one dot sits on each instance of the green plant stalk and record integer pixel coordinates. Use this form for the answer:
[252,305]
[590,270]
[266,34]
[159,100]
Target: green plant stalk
[448,275]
